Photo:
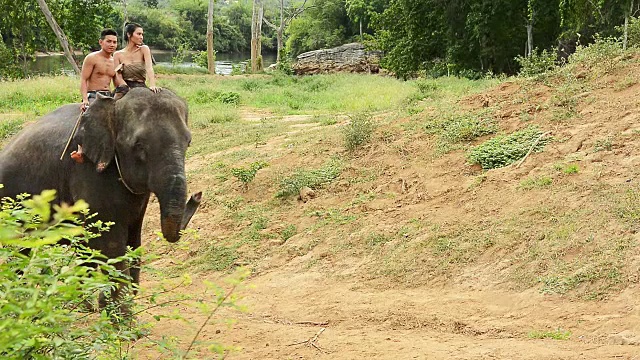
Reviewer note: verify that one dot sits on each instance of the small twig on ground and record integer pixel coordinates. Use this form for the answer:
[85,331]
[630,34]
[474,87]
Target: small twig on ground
[311,342]
[313,323]
[532,147]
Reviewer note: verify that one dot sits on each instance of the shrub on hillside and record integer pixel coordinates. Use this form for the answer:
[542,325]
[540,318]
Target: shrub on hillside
[292,184]
[537,64]
[604,53]
[358,132]
[503,150]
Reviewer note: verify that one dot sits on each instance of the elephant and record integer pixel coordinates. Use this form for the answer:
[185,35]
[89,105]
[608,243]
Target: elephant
[132,147]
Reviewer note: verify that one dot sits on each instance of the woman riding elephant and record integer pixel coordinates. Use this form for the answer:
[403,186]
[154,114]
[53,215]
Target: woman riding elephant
[134,63]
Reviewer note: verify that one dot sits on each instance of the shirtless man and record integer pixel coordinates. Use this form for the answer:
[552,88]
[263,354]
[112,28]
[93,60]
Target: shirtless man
[98,69]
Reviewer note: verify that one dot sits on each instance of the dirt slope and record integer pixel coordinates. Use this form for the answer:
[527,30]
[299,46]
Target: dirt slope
[409,255]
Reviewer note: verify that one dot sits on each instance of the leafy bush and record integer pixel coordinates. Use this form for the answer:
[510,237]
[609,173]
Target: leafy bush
[603,53]
[200,58]
[247,174]
[633,32]
[538,63]
[229,97]
[43,293]
[358,132]
[455,128]
[310,178]
[503,150]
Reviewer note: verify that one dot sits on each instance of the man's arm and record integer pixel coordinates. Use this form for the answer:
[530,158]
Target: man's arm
[85,74]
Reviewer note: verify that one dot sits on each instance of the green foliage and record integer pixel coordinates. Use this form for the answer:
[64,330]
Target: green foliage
[503,150]
[182,50]
[537,182]
[633,32]
[201,59]
[9,128]
[229,98]
[291,185]
[571,169]
[323,25]
[288,232]
[558,334]
[44,293]
[539,63]
[359,131]
[452,129]
[247,174]
[603,54]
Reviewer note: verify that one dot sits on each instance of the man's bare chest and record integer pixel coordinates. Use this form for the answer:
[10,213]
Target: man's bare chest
[104,67]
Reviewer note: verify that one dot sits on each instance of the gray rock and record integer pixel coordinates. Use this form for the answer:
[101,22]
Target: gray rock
[346,58]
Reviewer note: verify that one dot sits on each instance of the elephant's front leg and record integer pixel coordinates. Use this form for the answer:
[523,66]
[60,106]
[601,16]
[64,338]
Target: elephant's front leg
[134,242]
[118,298]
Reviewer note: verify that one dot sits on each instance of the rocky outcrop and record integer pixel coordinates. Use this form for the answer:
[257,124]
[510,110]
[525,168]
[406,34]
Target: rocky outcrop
[346,58]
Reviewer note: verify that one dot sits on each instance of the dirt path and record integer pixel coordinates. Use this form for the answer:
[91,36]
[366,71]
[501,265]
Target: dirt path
[362,322]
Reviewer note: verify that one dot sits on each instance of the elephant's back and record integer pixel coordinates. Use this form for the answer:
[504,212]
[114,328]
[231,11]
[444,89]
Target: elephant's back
[31,162]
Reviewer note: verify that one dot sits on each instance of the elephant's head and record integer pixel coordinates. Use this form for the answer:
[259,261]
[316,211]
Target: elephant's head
[146,134]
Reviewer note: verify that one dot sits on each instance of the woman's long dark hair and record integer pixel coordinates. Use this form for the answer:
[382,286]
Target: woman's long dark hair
[129,29]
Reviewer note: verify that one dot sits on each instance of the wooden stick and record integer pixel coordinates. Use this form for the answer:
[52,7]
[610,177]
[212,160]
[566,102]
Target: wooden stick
[532,147]
[73,132]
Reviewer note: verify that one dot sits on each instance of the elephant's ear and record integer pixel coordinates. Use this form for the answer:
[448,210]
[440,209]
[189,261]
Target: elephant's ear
[98,132]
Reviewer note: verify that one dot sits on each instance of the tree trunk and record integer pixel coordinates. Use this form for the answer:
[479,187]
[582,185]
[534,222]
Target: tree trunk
[626,26]
[61,37]
[256,32]
[125,20]
[211,57]
[361,39]
[279,36]
[529,38]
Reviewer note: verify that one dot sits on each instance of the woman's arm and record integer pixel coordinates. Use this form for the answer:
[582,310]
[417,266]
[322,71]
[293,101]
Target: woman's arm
[148,64]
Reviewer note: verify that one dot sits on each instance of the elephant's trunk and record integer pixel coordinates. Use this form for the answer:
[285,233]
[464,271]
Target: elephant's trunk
[172,206]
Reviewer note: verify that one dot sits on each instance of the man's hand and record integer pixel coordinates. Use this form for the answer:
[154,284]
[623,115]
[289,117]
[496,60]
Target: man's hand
[84,106]
[155,89]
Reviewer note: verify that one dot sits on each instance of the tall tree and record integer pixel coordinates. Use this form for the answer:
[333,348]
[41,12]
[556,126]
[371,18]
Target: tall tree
[256,34]
[284,21]
[59,34]
[211,58]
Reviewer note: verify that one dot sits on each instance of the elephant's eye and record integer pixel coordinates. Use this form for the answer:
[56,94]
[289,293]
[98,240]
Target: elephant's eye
[139,150]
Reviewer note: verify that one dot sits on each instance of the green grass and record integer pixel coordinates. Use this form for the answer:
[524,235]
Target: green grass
[558,334]
[535,182]
[313,178]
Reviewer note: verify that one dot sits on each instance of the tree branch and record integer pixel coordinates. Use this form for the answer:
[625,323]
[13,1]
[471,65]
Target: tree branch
[264,19]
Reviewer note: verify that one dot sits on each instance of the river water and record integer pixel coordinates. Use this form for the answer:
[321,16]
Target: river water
[56,64]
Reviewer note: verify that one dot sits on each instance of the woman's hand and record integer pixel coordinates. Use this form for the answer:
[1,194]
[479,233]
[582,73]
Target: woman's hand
[155,89]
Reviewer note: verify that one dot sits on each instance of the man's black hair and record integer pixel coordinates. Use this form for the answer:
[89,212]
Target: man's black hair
[106,32]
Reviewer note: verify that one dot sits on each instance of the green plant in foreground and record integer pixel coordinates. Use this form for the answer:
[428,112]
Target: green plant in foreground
[558,334]
[503,150]
[43,293]
[358,132]
[247,174]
